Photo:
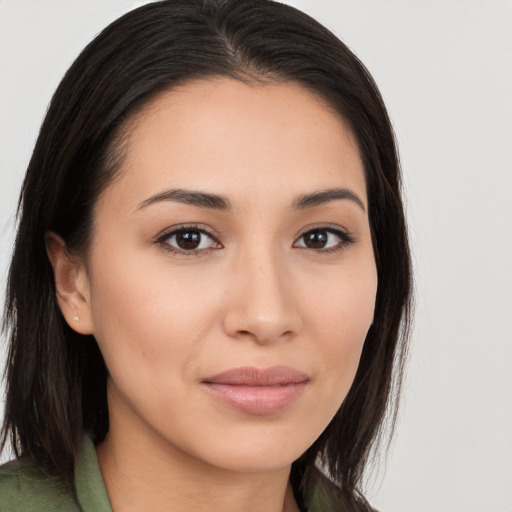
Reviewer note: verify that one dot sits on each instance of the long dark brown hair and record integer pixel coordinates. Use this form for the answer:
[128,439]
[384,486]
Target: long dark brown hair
[56,378]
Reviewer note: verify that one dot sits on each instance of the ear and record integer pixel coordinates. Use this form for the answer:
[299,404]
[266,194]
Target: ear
[71,284]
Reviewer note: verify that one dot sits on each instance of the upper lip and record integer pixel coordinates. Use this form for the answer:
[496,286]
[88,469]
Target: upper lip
[251,376]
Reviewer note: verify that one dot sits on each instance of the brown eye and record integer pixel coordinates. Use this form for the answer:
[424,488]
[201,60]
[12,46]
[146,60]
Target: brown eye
[327,239]
[316,239]
[189,240]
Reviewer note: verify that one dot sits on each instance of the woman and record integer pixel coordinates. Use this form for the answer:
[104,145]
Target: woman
[209,293]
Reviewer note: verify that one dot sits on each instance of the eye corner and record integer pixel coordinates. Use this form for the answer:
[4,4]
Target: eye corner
[196,245]
[325,238]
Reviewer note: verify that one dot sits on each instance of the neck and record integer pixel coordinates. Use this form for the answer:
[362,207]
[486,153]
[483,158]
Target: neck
[143,471]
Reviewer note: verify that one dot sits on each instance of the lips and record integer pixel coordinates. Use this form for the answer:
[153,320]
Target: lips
[257,391]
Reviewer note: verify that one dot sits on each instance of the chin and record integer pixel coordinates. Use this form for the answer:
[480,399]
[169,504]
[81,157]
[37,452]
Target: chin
[261,462]
[259,452]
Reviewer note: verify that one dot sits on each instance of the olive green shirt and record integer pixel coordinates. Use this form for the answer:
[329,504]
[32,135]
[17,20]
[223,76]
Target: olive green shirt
[25,488]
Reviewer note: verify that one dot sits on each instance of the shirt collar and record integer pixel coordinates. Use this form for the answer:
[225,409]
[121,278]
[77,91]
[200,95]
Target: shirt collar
[89,486]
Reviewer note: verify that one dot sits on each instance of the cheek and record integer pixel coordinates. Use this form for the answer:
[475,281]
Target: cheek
[341,319]
[148,320]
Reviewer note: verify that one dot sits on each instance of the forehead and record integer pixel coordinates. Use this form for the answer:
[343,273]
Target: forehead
[231,137]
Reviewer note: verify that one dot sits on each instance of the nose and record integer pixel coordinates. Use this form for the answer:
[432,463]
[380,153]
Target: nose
[262,305]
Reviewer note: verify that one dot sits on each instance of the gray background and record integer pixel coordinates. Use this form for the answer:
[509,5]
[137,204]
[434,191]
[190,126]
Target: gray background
[445,71]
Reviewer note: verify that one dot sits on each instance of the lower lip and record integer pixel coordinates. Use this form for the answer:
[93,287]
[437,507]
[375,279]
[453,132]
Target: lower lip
[257,399]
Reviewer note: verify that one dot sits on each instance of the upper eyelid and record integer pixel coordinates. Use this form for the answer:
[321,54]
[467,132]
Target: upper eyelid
[326,227]
[171,230]
[166,234]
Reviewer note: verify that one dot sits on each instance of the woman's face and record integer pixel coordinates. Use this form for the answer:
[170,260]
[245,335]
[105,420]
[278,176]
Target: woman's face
[231,280]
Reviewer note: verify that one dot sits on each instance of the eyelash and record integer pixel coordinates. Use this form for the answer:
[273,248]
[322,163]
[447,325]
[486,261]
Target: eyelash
[162,240]
[346,239]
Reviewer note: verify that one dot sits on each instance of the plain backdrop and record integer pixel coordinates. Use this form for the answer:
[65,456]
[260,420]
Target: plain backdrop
[445,71]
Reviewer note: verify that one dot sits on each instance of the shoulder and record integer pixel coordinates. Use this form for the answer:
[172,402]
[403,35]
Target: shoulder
[325,496]
[25,488]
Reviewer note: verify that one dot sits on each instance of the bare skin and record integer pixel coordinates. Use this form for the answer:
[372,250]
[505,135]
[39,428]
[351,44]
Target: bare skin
[274,273]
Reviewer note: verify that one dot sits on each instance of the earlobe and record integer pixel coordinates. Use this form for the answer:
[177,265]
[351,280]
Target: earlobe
[71,284]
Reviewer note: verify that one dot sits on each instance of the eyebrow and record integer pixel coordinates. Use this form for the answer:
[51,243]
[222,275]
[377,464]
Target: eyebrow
[325,196]
[217,202]
[201,199]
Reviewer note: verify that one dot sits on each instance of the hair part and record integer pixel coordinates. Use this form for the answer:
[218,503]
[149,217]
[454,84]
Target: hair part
[56,378]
